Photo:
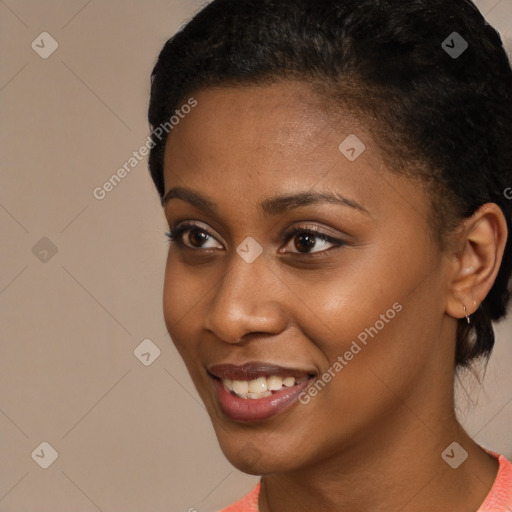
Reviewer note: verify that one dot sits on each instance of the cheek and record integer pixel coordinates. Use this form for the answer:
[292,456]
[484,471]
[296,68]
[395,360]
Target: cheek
[173,288]
[336,306]
[371,312]
[183,295]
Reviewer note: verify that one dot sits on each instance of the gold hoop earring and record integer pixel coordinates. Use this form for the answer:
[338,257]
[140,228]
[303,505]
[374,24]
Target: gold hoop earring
[468,319]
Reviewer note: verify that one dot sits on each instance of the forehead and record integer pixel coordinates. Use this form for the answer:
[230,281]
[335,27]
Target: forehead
[279,116]
[251,142]
[251,129]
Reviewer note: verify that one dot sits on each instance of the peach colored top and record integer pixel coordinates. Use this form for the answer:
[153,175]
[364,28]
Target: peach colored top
[499,498]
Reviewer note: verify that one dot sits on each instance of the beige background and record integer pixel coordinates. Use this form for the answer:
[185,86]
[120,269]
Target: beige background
[129,437]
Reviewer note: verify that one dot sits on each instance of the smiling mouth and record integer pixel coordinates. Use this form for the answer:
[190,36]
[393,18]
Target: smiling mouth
[257,391]
[261,387]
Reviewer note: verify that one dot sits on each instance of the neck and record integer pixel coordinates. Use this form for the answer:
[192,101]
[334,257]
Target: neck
[398,468]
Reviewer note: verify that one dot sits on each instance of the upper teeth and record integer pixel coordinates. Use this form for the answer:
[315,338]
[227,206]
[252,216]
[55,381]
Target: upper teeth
[260,387]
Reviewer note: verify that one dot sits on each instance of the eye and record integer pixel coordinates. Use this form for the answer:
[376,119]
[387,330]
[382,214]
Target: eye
[192,236]
[300,240]
[310,240]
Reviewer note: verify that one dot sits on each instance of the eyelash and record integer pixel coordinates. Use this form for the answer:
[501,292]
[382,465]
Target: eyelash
[174,234]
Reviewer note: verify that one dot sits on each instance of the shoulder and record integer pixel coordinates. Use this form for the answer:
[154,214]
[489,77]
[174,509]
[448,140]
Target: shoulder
[499,498]
[247,504]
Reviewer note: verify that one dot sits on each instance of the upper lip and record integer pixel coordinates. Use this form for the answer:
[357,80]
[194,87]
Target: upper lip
[253,370]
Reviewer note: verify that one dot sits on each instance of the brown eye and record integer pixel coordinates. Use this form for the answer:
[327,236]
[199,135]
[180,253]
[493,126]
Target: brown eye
[197,237]
[305,242]
[310,241]
[193,236]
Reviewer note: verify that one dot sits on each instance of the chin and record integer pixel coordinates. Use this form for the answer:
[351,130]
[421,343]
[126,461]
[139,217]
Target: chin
[258,458]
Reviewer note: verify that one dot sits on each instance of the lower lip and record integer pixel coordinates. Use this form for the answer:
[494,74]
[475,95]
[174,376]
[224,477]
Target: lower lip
[247,410]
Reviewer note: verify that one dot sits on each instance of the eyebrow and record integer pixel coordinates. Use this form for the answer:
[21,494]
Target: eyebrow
[272,206]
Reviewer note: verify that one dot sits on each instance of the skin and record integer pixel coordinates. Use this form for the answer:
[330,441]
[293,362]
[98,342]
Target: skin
[382,423]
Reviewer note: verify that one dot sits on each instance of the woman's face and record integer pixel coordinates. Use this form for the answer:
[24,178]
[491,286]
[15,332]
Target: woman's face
[304,260]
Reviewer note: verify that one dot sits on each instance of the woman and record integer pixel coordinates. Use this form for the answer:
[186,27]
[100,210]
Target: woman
[333,175]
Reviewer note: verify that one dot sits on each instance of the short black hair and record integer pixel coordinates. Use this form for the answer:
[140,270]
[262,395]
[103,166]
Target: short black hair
[389,61]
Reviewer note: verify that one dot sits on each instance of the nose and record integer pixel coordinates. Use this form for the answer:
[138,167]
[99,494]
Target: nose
[249,300]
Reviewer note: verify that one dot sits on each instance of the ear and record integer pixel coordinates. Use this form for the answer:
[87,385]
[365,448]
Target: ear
[477,259]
